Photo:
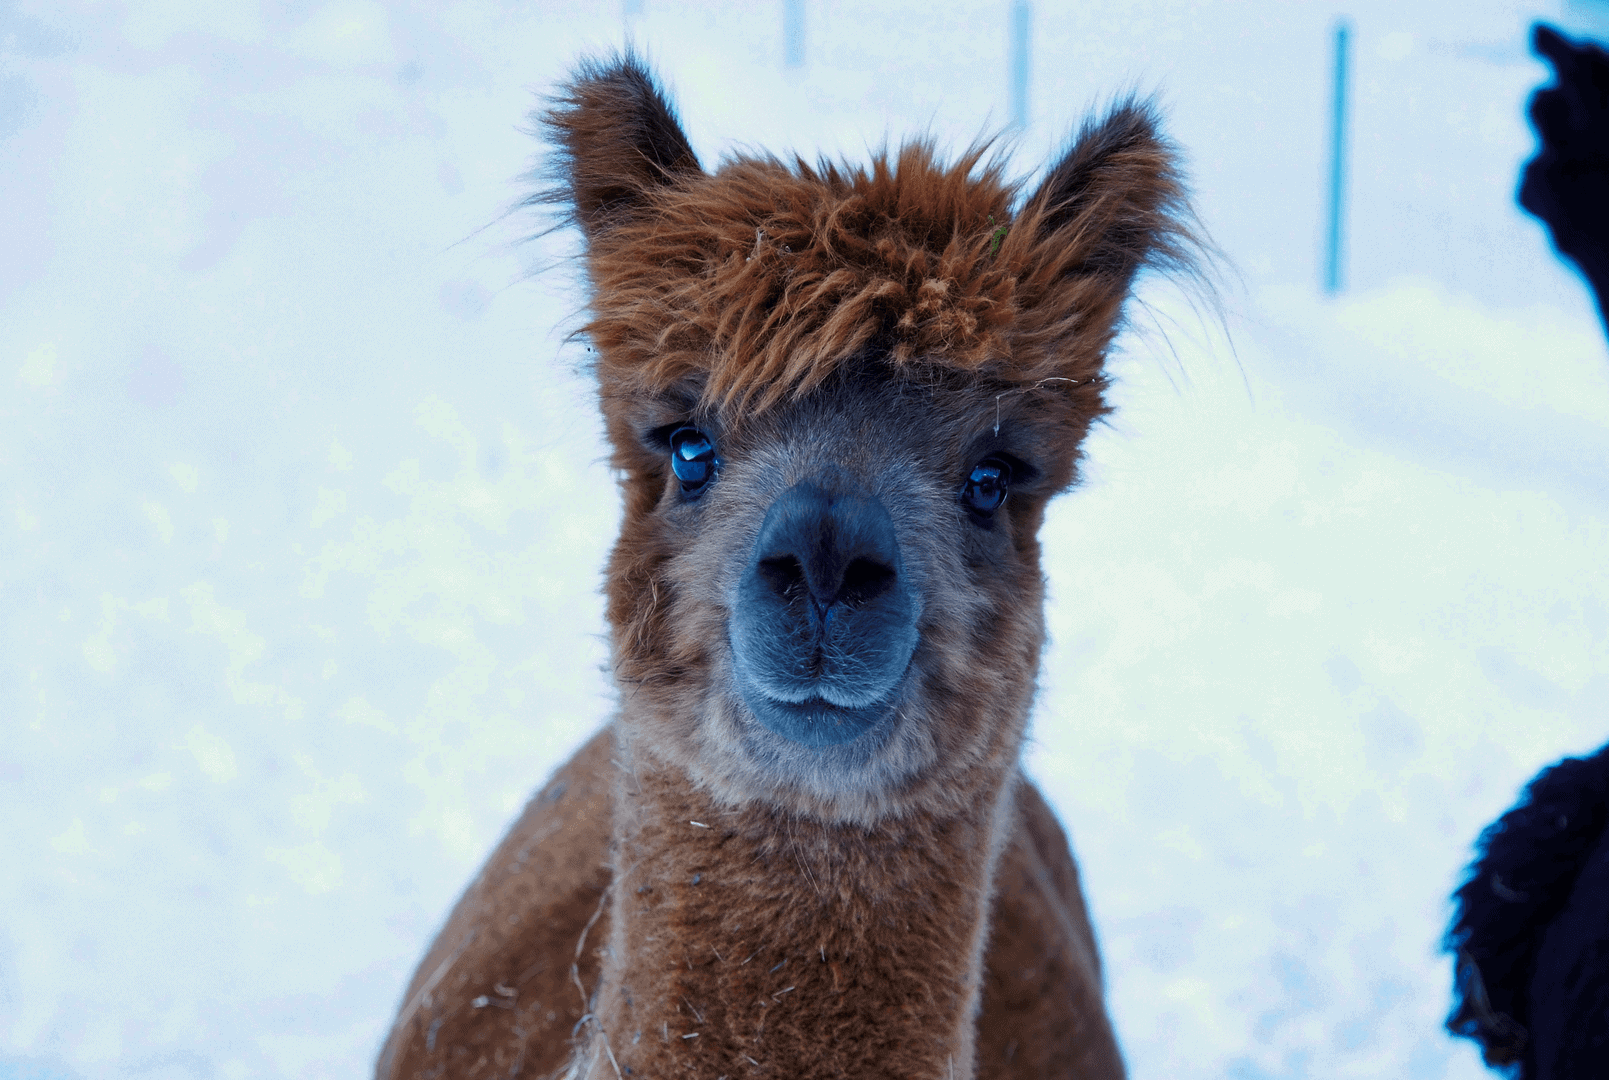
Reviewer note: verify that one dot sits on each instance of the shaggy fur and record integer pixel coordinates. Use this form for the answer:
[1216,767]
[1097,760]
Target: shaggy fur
[512,971]
[1531,933]
[761,279]
[899,904]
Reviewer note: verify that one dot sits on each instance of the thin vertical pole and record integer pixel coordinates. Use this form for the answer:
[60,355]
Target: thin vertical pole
[1021,18]
[1332,254]
[793,31]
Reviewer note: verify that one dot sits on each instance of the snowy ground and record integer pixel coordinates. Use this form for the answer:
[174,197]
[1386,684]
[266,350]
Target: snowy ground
[302,507]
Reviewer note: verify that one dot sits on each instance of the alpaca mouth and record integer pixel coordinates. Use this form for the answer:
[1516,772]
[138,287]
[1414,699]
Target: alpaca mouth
[815,722]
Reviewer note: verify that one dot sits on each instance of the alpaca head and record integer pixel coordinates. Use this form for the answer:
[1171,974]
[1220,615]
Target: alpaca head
[839,399]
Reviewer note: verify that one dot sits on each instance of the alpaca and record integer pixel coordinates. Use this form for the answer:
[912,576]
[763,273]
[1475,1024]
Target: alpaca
[839,399]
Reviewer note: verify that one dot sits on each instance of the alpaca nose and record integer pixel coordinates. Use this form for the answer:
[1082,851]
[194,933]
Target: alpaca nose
[824,621]
[834,549]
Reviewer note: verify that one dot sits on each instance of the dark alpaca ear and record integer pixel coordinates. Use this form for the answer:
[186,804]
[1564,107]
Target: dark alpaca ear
[1114,204]
[618,141]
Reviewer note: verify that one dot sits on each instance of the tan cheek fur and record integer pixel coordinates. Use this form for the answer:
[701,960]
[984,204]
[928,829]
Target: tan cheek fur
[970,676]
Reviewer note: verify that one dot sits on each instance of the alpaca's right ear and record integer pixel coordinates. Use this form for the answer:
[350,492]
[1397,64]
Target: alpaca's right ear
[617,139]
[1117,196]
[1113,205]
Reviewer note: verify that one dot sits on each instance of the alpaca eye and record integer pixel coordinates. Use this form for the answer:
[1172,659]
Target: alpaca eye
[985,489]
[692,459]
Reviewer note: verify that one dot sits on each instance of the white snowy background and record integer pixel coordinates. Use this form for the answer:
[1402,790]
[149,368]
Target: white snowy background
[303,504]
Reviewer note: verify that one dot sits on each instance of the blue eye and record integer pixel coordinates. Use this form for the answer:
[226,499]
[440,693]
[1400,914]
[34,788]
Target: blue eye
[692,459]
[985,489]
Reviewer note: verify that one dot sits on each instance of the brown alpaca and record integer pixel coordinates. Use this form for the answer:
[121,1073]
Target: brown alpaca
[839,400]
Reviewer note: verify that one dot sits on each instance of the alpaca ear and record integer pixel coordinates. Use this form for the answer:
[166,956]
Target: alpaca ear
[1114,204]
[618,141]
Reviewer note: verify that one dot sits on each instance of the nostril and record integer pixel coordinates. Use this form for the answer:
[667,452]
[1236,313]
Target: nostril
[785,574]
[865,580]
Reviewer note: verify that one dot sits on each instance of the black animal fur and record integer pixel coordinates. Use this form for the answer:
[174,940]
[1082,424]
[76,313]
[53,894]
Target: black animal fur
[1531,932]
[1567,183]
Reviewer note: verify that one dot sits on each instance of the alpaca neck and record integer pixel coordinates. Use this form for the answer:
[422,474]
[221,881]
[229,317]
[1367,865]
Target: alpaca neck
[744,937]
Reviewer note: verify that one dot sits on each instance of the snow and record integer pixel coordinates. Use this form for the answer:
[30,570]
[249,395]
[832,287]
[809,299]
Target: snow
[303,505]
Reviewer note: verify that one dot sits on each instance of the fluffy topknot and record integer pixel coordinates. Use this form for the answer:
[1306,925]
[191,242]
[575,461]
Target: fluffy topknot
[756,281]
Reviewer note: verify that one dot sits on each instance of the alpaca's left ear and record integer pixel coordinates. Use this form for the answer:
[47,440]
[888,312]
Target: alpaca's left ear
[617,140]
[1114,204]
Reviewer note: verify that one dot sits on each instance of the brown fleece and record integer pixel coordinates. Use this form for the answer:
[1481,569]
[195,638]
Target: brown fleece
[494,996]
[695,895]
[1041,1012]
[759,279]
